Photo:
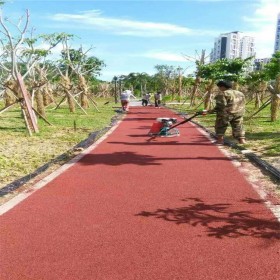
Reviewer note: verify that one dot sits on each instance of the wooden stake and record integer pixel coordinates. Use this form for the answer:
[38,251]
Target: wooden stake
[31,117]
[7,107]
[41,116]
[94,103]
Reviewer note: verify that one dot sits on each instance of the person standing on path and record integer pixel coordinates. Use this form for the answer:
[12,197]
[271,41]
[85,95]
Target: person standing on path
[158,98]
[125,98]
[145,99]
[229,109]
[148,96]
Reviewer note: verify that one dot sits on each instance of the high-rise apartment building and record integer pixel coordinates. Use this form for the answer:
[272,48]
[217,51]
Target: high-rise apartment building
[277,35]
[247,47]
[233,45]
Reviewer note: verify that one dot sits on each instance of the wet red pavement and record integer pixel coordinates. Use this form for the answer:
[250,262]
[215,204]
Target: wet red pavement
[142,209]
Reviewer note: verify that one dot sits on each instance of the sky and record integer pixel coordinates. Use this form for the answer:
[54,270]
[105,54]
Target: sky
[136,35]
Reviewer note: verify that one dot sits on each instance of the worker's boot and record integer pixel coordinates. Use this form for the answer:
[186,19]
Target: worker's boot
[220,140]
[242,141]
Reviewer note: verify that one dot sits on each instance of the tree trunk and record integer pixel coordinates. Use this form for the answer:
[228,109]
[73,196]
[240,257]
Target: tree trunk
[262,88]
[9,97]
[207,101]
[194,91]
[84,95]
[180,87]
[18,87]
[40,103]
[65,82]
[257,100]
[47,95]
[197,80]
[71,102]
[275,100]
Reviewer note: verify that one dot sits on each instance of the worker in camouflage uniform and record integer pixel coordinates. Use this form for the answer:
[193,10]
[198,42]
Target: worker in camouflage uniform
[229,109]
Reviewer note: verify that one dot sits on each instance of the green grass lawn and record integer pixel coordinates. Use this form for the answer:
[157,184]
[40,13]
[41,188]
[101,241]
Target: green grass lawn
[21,154]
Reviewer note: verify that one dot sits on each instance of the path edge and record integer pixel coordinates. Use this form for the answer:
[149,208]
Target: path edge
[274,208]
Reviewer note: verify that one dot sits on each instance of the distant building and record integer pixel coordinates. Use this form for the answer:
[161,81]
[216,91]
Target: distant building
[260,62]
[247,48]
[233,45]
[277,35]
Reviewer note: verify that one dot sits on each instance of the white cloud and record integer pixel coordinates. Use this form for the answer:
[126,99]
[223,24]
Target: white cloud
[121,26]
[165,56]
[263,26]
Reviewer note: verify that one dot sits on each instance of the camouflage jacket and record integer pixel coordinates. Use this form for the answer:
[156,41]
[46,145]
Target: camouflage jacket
[230,102]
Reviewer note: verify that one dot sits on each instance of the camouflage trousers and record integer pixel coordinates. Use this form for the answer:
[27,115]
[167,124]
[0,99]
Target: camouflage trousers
[236,122]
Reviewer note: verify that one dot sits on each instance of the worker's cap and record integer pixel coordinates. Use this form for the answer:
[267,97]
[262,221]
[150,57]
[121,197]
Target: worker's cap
[226,84]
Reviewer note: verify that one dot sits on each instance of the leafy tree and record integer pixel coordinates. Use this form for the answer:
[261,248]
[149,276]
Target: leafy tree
[199,60]
[257,83]
[93,66]
[272,70]
[229,69]
[142,79]
[164,75]
[12,42]
[273,67]
[132,81]
[79,62]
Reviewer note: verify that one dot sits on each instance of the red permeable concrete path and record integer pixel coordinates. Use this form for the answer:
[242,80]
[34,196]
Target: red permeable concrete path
[141,209]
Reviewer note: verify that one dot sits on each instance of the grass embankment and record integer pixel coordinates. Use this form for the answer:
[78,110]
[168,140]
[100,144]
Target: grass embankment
[21,154]
[263,136]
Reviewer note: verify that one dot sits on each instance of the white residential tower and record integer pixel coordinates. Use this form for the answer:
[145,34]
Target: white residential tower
[277,35]
[233,45]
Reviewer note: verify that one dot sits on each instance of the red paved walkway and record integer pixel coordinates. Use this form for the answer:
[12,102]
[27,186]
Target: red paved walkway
[173,208]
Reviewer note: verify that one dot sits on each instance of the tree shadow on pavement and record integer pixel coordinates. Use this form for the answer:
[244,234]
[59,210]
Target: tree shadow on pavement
[151,141]
[138,119]
[121,158]
[219,220]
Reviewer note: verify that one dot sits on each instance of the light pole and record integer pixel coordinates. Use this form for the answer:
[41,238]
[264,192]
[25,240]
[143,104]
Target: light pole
[120,86]
[180,82]
[115,93]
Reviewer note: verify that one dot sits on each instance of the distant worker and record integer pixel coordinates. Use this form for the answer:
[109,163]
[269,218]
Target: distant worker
[229,109]
[125,98]
[158,98]
[146,99]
